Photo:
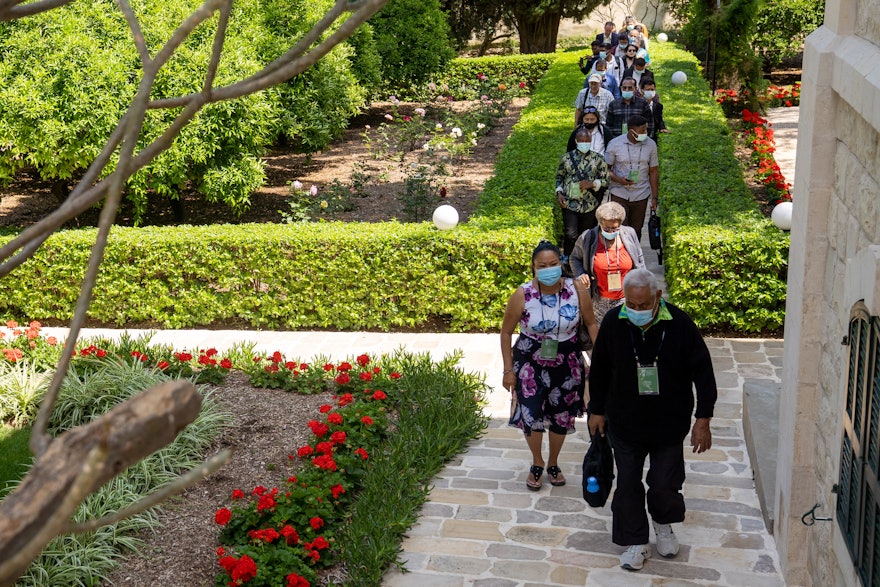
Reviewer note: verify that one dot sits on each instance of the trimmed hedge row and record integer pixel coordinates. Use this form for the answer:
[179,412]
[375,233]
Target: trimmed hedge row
[322,275]
[725,261]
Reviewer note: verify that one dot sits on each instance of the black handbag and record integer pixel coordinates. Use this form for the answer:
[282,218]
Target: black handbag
[654,235]
[598,463]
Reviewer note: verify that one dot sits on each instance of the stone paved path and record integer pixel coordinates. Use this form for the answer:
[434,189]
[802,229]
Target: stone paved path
[785,123]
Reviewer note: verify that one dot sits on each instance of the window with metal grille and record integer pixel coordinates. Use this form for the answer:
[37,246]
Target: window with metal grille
[858,491]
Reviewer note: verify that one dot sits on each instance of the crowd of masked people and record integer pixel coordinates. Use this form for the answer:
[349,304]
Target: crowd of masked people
[647,354]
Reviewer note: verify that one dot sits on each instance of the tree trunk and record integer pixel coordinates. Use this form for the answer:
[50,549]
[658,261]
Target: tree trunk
[537,32]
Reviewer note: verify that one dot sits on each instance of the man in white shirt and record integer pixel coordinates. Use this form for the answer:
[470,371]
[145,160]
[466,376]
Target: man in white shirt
[634,172]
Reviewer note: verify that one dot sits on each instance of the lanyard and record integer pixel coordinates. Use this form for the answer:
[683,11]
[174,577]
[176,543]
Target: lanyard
[608,260]
[558,308]
[656,355]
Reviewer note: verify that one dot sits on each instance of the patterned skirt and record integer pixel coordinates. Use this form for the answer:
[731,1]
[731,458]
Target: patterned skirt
[549,392]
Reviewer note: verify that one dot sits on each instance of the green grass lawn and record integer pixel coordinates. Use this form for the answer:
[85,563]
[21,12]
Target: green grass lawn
[15,456]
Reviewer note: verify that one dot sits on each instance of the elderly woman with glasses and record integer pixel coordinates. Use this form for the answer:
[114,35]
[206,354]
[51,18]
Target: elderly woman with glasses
[603,255]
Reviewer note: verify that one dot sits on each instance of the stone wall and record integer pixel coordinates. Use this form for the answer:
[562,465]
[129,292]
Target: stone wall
[834,262]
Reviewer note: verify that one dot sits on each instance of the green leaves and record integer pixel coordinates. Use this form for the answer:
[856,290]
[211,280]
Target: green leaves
[725,261]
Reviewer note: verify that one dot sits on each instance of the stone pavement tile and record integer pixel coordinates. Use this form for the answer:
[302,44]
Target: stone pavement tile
[495,583]
[587,560]
[432,545]
[561,504]
[711,520]
[745,345]
[523,570]
[472,530]
[726,480]
[532,517]
[750,357]
[724,507]
[412,561]
[743,540]
[497,474]
[458,497]
[727,380]
[593,542]
[692,491]
[657,565]
[426,527]
[726,559]
[515,552]
[760,371]
[471,483]
[722,363]
[568,575]
[581,522]
[513,500]
[752,525]
[484,513]
[437,510]
[742,579]
[458,565]
[617,578]
[537,536]
[728,410]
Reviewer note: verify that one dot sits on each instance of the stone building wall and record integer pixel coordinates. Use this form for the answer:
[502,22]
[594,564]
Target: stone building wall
[834,262]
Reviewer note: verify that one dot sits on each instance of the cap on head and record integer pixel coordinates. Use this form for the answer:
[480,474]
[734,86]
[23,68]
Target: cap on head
[595,78]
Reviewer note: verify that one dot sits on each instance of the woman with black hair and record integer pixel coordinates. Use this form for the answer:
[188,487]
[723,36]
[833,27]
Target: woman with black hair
[545,367]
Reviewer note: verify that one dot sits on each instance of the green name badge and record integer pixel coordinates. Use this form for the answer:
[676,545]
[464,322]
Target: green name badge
[574,190]
[549,348]
[649,382]
[633,175]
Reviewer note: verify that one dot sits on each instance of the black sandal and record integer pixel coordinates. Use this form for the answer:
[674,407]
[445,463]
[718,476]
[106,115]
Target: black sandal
[554,472]
[534,480]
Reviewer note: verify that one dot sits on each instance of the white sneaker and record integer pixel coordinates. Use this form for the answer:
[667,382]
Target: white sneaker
[633,558]
[667,543]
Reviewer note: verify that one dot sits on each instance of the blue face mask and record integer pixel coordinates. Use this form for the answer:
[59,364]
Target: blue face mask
[611,236]
[640,317]
[601,54]
[549,275]
[627,95]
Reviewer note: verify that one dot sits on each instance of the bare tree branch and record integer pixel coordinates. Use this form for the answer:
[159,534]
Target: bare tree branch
[18,9]
[137,34]
[72,468]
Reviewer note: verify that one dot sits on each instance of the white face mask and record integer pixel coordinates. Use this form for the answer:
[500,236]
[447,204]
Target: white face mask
[649,94]
[641,137]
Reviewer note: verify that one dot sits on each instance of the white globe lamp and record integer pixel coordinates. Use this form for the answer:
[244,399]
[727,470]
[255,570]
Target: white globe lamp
[445,217]
[679,78]
[781,215]
[662,37]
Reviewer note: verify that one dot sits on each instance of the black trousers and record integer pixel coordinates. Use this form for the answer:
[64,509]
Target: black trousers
[573,225]
[629,524]
[635,213]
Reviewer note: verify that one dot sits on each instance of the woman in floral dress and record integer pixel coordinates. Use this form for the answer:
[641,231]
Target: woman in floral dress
[545,367]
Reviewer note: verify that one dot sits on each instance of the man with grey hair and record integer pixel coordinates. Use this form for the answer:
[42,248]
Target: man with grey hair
[646,361]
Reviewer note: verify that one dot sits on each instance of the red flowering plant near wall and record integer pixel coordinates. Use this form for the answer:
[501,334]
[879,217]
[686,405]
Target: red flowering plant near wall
[26,342]
[284,535]
[733,102]
[758,133]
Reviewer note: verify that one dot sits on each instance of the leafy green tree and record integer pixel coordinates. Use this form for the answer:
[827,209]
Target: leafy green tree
[536,21]
[412,38]
[67,76]
[782,26]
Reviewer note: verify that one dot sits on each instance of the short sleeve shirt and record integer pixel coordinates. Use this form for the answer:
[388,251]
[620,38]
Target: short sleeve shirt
[624,158]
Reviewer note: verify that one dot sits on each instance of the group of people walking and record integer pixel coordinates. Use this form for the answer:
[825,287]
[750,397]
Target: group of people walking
[647,355]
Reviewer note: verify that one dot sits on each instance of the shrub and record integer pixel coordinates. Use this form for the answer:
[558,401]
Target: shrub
[412,38]
[725,262]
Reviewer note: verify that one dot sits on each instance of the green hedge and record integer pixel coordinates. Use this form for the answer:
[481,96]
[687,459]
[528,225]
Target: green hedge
[725,261]
[323,275]
[329,275]
[461,81]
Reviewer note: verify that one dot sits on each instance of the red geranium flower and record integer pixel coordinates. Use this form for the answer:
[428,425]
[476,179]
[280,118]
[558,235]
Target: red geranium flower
[226,364]
[318,428]
[344,366]
[276,357]
[342,378]
[336,491]
[325,448]
[395,375]
[162,365]
[325,408]
[258,490]
[237,494]
[335,418]
[266,503]
[367,420]
[294,580]
[290,534]
[362,453]
[328,366]
[244,571]
[379,395]
[316,523]
[366,376]
[305,451]
[363,360]
[338,437]
[222,516]
[325,462]
[345,399]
